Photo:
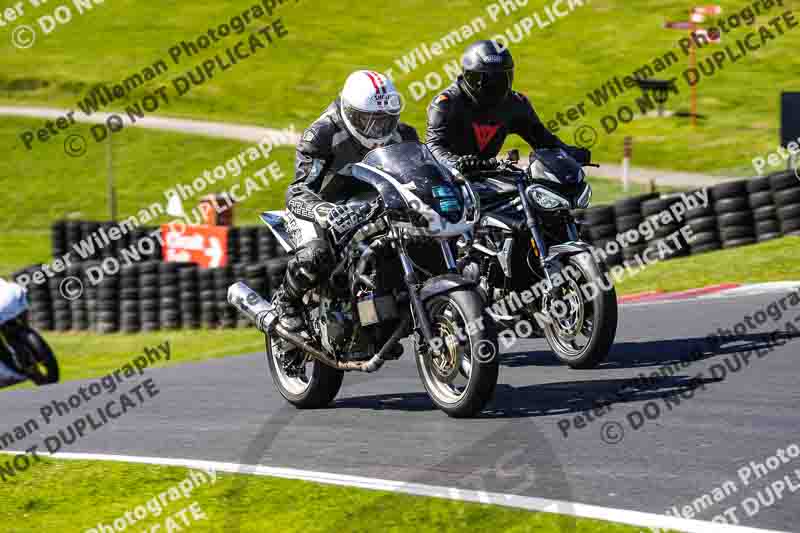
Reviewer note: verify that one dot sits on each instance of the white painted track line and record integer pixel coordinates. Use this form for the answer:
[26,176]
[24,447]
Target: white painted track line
[544,505]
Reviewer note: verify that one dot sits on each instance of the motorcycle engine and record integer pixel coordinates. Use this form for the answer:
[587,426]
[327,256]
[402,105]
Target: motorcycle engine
[334,323]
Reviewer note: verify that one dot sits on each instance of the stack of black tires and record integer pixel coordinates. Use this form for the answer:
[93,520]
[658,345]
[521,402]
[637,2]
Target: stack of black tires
[189,285]
[662,220]
[169,291]
[786,193]
[598,228]
[705,234]
[149,307]
[42,312]
[226,313]
[107,305]
[762,203]
[735,222]
[629,216]
[78,306]
[208,303]
[129,307]
[248,245]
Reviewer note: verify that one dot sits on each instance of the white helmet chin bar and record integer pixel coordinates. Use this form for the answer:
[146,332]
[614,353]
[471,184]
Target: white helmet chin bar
[370,92]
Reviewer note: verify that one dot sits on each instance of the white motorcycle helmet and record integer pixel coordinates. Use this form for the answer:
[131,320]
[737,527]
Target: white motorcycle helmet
[370,108]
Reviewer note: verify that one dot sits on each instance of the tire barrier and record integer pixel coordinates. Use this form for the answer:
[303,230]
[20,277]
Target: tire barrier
[147,296]
[90,241]
[739,213]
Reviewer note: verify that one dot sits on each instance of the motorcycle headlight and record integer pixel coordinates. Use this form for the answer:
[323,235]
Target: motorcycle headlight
[546,199]
[585,198]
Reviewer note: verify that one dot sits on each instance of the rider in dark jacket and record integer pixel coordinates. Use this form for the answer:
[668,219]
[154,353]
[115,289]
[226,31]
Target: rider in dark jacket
[365,116]
[470,120]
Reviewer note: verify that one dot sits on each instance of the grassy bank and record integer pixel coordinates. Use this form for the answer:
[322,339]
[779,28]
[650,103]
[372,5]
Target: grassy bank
[293,79]
[77,495]
[774,260]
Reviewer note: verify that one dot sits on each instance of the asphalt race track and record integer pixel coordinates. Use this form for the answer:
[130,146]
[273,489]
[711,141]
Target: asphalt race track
[383,425]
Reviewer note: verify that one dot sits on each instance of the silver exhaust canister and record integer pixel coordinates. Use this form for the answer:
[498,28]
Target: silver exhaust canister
[260,312]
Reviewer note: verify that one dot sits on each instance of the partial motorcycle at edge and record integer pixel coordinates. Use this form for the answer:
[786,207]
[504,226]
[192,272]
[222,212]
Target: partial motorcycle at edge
[24,354]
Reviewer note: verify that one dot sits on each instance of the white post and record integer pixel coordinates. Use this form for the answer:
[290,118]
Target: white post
[111,189]
[626,163]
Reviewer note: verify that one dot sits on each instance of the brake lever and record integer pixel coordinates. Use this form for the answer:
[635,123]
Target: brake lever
[595,165]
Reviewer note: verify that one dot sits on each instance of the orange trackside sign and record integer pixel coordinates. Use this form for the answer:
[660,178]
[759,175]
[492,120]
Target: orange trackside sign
[205,245]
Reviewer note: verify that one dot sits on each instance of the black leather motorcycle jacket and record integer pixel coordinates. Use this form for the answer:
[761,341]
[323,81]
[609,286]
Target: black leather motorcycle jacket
[324,149]
[457,126]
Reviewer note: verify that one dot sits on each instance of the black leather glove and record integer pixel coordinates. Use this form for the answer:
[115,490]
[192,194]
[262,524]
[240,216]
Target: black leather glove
[466,163]
[471,163]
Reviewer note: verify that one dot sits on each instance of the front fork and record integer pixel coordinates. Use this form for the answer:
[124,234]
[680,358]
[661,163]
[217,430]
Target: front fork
[549,267]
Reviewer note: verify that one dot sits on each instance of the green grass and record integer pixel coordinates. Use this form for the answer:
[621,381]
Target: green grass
[774,260]
[293,80]
[608,191]
[84,355]
[146,163]
[57,496]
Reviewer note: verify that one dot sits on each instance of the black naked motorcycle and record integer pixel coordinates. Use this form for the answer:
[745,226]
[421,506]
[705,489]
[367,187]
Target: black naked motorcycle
[530,263]
[396,276]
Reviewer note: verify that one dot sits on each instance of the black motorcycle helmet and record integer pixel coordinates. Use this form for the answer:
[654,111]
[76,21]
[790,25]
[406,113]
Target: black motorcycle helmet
[488,72]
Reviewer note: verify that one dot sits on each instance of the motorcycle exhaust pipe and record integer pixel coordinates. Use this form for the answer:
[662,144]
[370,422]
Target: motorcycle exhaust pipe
[263,314]
[260,312]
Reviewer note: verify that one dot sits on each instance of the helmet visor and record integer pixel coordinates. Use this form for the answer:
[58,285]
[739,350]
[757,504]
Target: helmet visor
[489,87]
[373,125]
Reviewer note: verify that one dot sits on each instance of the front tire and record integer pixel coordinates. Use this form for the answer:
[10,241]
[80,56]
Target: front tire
[583,338]
[461,379]
[310,385]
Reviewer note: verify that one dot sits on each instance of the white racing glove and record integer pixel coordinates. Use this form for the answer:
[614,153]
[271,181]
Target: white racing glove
[343,218]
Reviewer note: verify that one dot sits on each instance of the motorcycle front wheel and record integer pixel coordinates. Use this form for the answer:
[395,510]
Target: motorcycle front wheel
[581,330]
[305,383]
[460,377]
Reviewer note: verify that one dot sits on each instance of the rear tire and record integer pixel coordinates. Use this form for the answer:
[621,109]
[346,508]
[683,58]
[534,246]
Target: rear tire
[476,350]
[44,368]
[318,389]
[603,321]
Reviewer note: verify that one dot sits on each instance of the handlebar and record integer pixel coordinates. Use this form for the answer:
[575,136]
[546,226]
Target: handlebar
[505,168]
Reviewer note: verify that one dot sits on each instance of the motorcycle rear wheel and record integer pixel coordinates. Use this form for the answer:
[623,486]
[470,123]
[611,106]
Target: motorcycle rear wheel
[309,385]
[462,379]
[35,354]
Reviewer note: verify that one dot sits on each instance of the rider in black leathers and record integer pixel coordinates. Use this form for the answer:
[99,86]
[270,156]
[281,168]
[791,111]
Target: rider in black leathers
[469,121]
[364,117]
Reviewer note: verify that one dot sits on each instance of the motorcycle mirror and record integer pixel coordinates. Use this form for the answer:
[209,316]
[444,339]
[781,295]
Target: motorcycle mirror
[513,155]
